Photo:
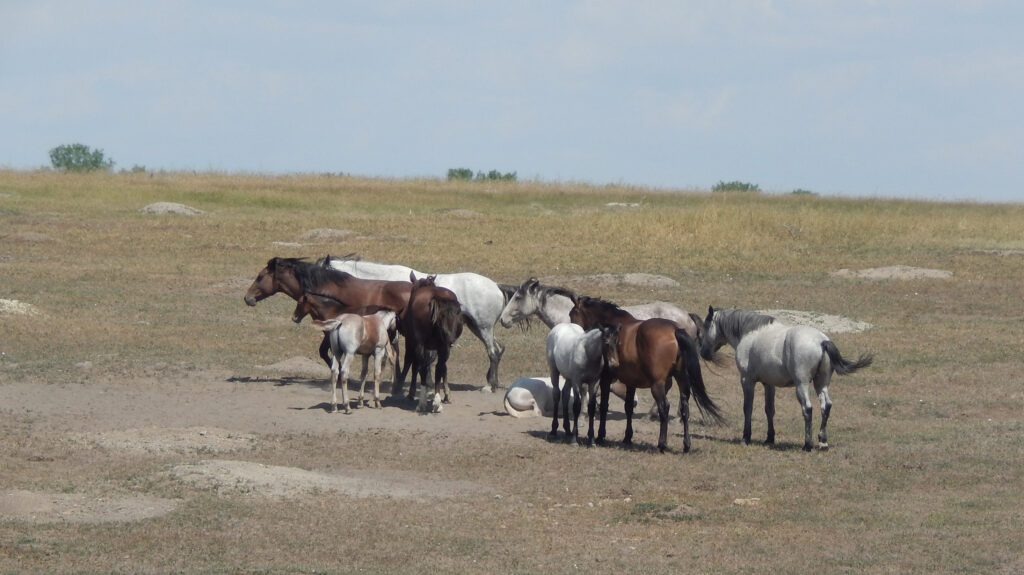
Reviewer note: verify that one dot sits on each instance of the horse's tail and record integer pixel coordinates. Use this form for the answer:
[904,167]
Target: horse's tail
[447,316]
[326,324]
[841,365]
[689,355]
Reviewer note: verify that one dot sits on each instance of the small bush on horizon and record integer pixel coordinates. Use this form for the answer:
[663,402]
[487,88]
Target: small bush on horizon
[466,174]
[735,186]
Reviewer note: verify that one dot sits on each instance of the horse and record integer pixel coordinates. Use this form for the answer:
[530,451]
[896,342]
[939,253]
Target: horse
[552,305]
[529,397]
[432,320]
[778,355]
[349,335]
[581,358]
[648,354]
[295,276]
[480,297]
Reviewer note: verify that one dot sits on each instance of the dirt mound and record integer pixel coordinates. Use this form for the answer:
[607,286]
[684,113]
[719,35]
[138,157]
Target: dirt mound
[822,321]
[589,283]
[327,234]
[170,208]
[893,273]
[275,481]
[77,508]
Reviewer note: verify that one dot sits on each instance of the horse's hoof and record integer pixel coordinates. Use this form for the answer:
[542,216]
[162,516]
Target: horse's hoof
[823,447]
[662,448]
[808,447]
[599,441]
[686,448]
[487,389]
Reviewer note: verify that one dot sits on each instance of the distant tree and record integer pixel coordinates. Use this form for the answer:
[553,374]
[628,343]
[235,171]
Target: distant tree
[735,186]
[79,158]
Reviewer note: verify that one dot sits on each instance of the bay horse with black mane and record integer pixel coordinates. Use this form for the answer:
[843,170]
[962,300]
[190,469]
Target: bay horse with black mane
[432,321]
[295,276]
[648,354]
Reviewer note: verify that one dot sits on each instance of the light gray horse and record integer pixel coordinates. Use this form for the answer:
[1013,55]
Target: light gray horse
[480,297]
[581,358]
[552,305]
[778,355]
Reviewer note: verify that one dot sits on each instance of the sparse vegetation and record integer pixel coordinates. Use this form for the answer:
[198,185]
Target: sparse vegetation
[466,174]
[923,475]
[735,186]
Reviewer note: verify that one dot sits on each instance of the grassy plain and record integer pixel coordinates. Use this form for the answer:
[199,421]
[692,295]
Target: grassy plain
[924,474]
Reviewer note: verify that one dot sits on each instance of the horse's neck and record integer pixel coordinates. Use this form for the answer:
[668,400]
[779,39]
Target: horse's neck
[555,310]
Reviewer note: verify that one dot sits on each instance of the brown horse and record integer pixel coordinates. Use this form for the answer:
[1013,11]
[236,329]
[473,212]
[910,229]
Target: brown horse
[432,321]
[649,354]
[295,276]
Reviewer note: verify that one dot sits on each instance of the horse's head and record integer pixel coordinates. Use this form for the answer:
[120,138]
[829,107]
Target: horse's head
[610,345]
[273,278]
[588,312]
[522,303]
[712,338]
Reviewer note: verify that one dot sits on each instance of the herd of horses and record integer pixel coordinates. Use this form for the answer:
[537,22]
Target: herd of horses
[594,345]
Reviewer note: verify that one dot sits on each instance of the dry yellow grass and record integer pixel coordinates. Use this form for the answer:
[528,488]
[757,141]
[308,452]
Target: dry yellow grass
[924,475]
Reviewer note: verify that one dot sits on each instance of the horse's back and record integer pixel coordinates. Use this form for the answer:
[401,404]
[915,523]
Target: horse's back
[664,310]
[528,397]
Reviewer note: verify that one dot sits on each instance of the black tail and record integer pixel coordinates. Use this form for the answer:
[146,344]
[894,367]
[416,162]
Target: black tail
[688,354]
[446,315]
[841,365]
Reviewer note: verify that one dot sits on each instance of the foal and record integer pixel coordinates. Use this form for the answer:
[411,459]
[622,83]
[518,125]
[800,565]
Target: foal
[431,321]
[349,335]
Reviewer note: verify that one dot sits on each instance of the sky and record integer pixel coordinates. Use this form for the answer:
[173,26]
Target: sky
[916,99]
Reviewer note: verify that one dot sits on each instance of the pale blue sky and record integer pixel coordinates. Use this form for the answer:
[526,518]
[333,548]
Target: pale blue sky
[909,99]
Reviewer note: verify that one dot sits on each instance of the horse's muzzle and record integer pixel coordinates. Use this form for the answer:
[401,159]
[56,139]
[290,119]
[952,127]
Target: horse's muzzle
[250,300]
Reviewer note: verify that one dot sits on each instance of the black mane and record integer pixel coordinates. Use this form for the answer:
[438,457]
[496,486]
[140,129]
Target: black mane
[310,275]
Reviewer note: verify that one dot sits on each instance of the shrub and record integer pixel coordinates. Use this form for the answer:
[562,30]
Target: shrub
[735,186]
[79,158]
[466,174]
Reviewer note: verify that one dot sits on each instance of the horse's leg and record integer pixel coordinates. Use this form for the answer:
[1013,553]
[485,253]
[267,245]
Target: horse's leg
[747,383]
[485,333]
[441,372]
[802,393]
[335,375]
[362,380]
[577,404]
[556,397]
[660,393]
[684,410]
[821,382]
[769,412]
[605,392]
[379,356]
[630,396]
[346,363]
[325,349]
[414,359]
[591,408]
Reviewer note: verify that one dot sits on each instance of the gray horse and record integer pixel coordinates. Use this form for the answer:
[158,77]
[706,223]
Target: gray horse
[778,355]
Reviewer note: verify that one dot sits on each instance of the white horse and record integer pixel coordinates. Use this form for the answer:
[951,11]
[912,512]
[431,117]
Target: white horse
[581,358]
[552,305]
[529,397]
[352,335]
[480,297]
[778,355]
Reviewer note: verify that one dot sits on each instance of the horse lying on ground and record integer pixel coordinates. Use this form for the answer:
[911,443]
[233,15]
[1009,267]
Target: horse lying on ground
[648,355]
[432,320]
[529,397]
[778,355]
[480,297]
[349,335]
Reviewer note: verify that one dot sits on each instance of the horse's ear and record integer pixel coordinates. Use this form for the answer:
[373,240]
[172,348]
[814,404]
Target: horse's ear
[412,277]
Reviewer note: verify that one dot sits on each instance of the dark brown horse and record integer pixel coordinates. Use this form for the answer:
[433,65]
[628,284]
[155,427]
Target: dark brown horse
[295,276]
[432,321]
[649,354]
